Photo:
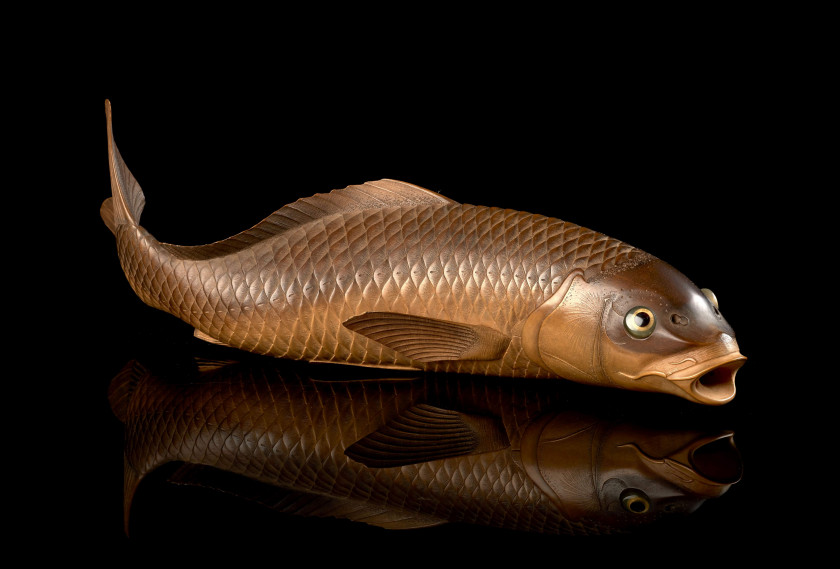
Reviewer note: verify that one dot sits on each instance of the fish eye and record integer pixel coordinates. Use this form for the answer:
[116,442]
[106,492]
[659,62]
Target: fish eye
[710,296]
[635,501]
[639,322]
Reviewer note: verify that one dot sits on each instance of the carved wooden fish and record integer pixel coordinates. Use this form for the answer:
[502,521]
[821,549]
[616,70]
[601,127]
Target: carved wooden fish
[408,454]
[388,274]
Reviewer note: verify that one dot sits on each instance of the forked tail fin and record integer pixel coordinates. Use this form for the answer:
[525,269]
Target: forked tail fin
[126,202]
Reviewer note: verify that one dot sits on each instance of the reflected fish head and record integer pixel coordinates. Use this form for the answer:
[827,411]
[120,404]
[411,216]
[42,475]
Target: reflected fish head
[642,328]
[688,469]
[624,475]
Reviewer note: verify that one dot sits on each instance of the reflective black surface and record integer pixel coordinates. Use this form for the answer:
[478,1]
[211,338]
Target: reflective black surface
[414,452]
[218,507]
[660,173]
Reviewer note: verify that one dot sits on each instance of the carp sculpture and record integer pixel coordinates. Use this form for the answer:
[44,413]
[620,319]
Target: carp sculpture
[391,275]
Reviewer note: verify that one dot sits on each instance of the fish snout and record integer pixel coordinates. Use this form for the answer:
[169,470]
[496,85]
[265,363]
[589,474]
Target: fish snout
[709,377]
[703,374]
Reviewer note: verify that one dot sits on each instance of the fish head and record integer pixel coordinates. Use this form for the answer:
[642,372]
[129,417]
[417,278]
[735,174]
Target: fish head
[646,327]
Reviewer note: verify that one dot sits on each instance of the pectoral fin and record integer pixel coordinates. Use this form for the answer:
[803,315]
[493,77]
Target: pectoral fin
[423,433]
[429,339]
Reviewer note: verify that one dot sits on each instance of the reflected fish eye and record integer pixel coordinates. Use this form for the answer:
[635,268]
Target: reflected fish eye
[635,501]
[639,322]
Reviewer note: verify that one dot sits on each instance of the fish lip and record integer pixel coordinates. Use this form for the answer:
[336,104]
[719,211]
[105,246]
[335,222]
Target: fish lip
[711,382]
[685,468]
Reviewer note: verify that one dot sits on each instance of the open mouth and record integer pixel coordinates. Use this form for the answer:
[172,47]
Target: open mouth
[717,460]
[711,382]
[707,466]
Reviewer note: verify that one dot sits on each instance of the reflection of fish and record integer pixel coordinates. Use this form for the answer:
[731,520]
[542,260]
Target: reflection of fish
[414,453]
[389,274]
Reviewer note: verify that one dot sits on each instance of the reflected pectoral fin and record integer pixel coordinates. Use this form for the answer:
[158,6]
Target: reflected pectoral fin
[423,433]
[429,339]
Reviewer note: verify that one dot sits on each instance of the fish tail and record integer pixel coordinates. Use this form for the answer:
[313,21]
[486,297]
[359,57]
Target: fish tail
[120,393]
[131,480]
[127,200]
[140,254]
[122,387]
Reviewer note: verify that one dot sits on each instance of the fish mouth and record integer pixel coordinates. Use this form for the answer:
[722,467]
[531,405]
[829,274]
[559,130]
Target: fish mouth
[707,466]
[711,382]
[715,459]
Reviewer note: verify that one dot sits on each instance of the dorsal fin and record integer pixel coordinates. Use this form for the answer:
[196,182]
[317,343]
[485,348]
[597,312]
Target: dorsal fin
[370,195]
[378,194]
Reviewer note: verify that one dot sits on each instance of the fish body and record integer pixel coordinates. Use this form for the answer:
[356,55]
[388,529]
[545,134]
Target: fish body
[408,454]
[389,274]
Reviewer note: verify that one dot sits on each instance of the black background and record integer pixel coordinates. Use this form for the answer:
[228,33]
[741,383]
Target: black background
[682,154]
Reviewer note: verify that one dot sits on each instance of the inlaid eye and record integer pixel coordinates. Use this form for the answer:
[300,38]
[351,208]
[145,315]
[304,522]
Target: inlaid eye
[639,322]
[711,296]
[712,300]
[635,501]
